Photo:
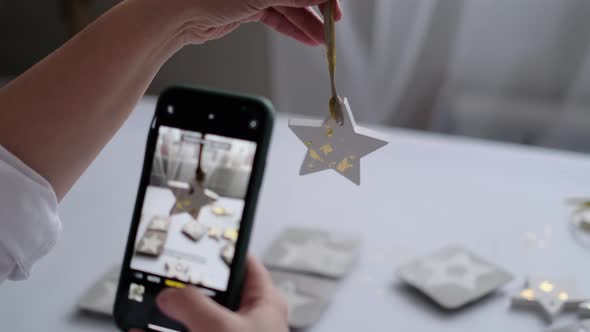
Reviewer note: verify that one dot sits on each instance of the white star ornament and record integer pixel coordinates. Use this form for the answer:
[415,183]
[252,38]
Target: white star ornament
[336,147]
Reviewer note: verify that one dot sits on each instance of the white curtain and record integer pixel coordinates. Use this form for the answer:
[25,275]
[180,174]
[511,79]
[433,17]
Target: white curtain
[520,72]
[378,44]
[499,69]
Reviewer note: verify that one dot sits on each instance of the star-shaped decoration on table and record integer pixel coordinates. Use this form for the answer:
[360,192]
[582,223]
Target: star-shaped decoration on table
[459,270]
[314,254]
[214,233]
[221,211]
[151,243]
[331,146]
[231,234]
[160,224]
[294,299]
[191,201]
[194,230]
[177,269]
[101,297]
[453,276]
[551,297]
[107,299]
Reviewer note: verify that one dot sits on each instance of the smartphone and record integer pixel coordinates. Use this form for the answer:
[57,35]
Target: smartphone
[204,162]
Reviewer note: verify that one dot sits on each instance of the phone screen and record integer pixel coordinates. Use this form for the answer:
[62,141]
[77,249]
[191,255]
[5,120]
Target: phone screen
[193,217]
[192,209]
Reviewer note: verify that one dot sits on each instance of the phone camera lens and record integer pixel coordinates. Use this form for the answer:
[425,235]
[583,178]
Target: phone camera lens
[253,124]
[170,110]
[211,116]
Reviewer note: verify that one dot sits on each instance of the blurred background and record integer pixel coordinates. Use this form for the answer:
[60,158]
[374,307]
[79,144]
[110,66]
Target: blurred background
[505,70]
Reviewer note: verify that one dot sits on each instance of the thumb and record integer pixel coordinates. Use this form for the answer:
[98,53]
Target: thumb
[258,283]
[194,309]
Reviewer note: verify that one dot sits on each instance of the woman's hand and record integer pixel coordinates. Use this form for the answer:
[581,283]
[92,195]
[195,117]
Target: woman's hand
[80,95]
[263,308]
[212,19]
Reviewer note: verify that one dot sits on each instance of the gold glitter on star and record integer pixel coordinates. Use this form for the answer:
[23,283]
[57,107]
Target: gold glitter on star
[331,146]
[548,296]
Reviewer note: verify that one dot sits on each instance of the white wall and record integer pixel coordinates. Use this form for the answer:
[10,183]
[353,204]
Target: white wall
[529,61]
[525,47]
[28,31]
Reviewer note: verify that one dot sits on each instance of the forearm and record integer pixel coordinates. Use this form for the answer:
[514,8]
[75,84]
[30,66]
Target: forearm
[58,115]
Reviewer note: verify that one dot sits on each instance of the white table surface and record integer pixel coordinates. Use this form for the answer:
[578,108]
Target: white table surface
[421,192]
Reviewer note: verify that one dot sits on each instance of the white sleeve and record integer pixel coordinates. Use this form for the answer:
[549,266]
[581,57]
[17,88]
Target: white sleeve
[29,222]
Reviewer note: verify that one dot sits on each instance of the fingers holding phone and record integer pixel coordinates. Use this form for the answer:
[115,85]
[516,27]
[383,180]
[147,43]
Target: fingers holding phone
[196,311]
[263,308]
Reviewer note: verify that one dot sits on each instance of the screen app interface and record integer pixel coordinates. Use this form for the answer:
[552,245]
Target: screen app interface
[190,219]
